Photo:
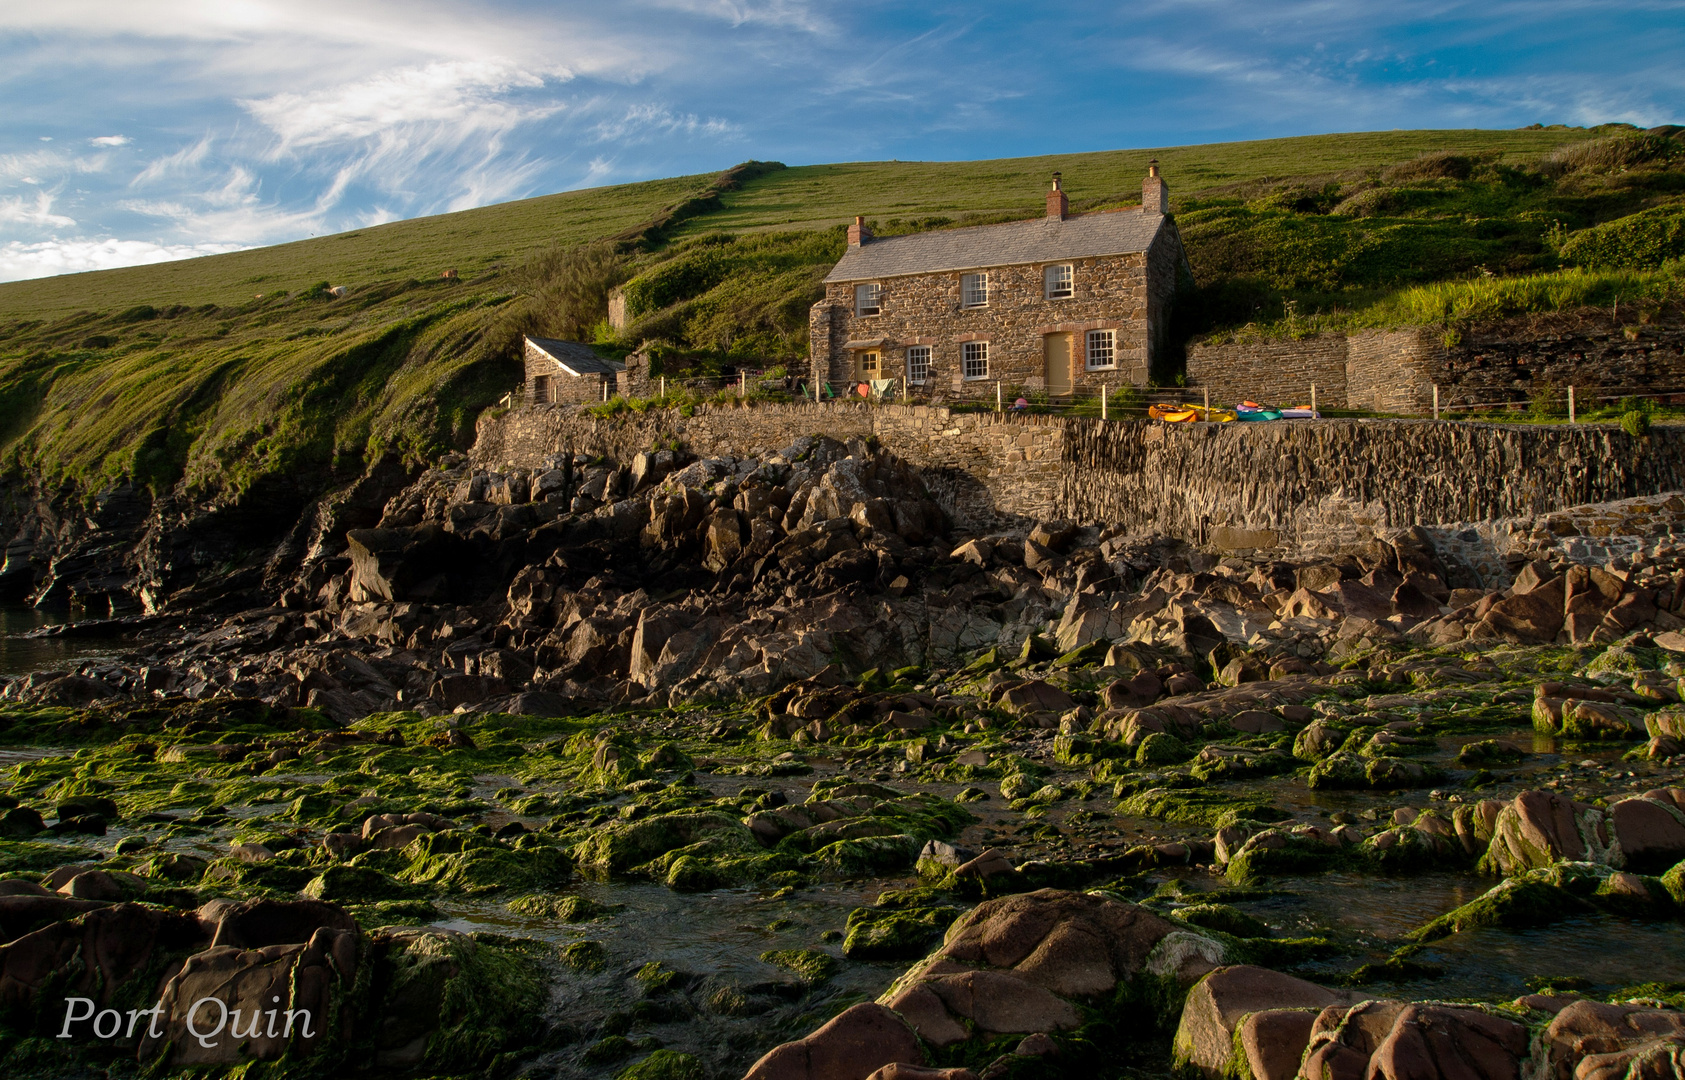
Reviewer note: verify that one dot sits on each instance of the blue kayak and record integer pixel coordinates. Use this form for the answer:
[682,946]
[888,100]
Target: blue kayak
[1257,414]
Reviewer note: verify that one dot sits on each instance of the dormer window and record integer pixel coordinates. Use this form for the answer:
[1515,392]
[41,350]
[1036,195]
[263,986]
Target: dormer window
[868,299]
[1060,281]
[974,290]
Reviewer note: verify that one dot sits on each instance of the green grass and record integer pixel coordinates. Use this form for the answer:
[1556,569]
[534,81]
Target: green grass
[236,370]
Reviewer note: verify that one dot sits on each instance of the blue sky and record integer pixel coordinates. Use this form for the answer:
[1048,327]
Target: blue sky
[140,130]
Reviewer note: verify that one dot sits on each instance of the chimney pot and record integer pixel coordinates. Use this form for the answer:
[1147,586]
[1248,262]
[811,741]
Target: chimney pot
[858,233]
[1155,193]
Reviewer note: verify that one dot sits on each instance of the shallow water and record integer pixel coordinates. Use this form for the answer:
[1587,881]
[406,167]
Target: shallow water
[20,655]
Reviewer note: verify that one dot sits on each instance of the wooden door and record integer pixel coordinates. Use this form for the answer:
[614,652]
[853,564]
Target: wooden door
[1058,352]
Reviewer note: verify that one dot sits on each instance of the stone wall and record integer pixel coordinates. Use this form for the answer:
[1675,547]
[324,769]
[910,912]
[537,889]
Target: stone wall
[1277,372]
[1332,482]
[1484,490]
[1395,371]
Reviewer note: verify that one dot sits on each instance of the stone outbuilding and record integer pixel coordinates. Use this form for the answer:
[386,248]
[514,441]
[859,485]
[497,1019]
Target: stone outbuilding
[1063,304]
[568,371]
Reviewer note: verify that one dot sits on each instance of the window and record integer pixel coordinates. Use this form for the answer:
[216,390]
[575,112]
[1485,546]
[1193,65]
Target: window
[975,359]
[868,299]
[1102,349]
[1059,281]
[974,290]
[918,364]
[870,365]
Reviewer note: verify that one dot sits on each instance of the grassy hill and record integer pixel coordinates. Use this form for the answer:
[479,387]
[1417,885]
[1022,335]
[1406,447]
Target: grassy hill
[225,369]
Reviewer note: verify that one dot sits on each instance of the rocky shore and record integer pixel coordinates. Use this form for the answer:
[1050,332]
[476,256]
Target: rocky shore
[681,767]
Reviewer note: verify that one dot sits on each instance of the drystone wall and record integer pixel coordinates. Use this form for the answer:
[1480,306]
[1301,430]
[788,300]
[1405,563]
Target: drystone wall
[1328,482]
[1485,491]
[1395,371]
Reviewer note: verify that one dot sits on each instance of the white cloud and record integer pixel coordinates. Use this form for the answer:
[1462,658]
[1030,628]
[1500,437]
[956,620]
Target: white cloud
[649,121]
[462,94]
[20,260]
[20,212]
[111,140]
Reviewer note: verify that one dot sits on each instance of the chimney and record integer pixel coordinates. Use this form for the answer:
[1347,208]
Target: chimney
[1057,206]
[1155,193]
[858,233]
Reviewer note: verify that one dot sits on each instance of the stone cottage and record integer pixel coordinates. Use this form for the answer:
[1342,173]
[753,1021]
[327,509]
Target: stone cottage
[568,371]
[1062,304]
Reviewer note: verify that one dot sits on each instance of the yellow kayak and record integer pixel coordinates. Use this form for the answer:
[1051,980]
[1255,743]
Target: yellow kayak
[1173,414]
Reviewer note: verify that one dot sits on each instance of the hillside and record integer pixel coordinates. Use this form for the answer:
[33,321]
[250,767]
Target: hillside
[227,369]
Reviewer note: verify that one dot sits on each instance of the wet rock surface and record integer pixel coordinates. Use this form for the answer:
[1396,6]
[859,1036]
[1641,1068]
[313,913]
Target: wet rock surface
[712,768]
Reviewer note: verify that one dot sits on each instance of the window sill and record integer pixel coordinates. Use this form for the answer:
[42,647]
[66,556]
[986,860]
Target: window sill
[974,378]
[973,307]
[1102,369]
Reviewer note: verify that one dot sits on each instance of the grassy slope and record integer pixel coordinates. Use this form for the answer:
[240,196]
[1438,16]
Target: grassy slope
[818,196]
[221,388]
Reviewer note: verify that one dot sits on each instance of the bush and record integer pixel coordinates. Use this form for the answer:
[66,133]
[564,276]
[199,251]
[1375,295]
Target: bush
[1635,422]
[1640,241]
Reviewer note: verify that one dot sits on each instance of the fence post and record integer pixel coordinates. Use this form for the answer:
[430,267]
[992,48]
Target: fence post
[1208,403]
[1436,401]
[663,388]
[1102,401]
[1313,400]
[1571,419]
[998,401]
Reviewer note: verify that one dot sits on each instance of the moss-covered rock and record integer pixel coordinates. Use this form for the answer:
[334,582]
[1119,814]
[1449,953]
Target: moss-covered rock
[1350,770]
[809,965]
[1536,899]
[356,884]
[1229,920]
[458,861]
[460,1000]
[567,909]
[1212,808]
[878,933]
[618,848]
[1161,748]
[664,1065]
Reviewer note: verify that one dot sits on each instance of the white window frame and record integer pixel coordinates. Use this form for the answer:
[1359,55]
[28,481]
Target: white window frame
[1059,281]
[1101,344]
[875,371]
[974,290]
[868,299]
[918,364]
[974,360]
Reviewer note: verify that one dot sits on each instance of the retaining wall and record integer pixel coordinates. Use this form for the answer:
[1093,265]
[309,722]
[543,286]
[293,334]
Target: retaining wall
[1301,485]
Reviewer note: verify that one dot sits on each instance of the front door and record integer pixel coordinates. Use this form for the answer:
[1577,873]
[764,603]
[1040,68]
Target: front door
[1058,351]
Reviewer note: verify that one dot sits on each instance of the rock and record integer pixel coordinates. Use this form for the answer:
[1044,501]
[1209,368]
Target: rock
[391,564]
[1540,828]
[898,1071]
[1650,829]
[1531,618]
[857,1043]
[1218,1005]
[1589,1040]
[103,885]
[1036,696]
[1014,965]
[976,552]
[248,982]
[1393,1040]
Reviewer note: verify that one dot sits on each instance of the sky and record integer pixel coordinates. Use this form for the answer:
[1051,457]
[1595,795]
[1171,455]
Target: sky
[135,131]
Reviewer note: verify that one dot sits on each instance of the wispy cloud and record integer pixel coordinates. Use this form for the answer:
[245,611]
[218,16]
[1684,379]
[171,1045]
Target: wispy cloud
[38,212]
[111,140]
[29,260]
[644,122]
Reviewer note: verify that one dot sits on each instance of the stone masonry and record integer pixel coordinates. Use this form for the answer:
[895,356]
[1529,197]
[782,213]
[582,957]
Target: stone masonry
[1483,490]
[1128,293]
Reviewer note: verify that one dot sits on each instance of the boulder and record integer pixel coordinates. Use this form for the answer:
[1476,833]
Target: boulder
[853,1046]
[390,564]
[245,985]
[1540,828]
[1530,618]
[1218,1005]
[1036,696]
[1651,829]
[1394,1040]
[1589,1040]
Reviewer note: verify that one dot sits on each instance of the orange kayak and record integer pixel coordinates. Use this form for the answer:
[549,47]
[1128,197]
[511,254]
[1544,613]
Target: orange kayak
[1172,414]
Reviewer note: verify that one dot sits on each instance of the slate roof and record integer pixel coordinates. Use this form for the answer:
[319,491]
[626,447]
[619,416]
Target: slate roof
[1015,243]
[575,357]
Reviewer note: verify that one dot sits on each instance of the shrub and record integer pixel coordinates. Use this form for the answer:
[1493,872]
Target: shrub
[1640,241]
[1635,422]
